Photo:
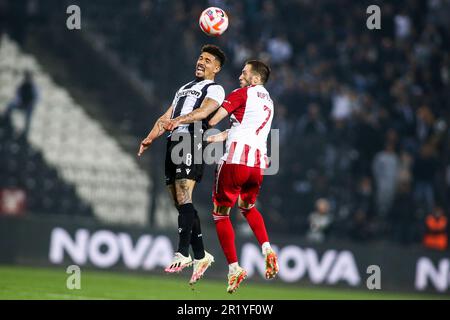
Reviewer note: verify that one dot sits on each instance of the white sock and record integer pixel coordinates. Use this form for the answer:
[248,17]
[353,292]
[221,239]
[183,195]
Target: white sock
[232,267]
[266,247]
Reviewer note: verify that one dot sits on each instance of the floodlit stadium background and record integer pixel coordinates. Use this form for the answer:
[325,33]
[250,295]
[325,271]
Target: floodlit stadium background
[364,143]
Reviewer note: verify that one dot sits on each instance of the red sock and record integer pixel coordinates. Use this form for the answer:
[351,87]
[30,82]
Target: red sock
[225,232]
[256,222]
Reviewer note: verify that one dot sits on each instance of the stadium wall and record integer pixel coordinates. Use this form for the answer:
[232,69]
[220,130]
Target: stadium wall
[43,241]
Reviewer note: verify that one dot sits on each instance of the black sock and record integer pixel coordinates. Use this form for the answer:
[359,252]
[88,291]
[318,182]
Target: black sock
[197,239]
[186,214]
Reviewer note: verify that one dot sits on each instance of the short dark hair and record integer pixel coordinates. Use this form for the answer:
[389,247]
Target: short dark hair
[216,52]
[260,68]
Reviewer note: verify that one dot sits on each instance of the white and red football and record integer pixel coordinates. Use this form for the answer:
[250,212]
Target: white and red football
[213,21]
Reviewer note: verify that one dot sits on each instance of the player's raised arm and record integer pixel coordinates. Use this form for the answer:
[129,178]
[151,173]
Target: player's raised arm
[233,101]
[157,131]
[218,116]
[207,107]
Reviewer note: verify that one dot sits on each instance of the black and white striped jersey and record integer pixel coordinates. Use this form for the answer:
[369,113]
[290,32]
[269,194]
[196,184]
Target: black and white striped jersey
[190,97]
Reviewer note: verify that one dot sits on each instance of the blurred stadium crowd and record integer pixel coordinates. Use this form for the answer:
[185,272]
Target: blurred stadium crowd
[363,114]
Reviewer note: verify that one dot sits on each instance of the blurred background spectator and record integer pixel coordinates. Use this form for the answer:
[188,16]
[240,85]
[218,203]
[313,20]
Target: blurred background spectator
[319,221]
[436,236]
[25,100]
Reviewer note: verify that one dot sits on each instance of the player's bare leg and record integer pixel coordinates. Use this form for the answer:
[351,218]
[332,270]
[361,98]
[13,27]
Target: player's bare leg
[173,194]
[256,222]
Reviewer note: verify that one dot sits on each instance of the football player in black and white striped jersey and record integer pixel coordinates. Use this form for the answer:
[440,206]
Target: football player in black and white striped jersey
[196,99]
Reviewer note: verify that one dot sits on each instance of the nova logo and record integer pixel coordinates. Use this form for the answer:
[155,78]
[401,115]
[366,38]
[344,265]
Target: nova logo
[295,263]
[427,273]
[104,249]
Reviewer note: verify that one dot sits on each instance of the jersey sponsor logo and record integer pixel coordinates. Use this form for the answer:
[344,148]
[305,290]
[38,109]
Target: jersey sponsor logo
[189,92]
[178,170]
[188,170]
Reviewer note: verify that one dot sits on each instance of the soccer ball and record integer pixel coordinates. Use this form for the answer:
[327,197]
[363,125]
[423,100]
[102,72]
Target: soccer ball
[213,21]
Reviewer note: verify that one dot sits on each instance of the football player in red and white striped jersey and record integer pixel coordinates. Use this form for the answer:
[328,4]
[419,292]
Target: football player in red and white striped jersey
[240,172]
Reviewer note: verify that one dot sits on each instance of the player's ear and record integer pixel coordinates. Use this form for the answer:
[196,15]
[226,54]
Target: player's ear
[254,78]
[259,78]
[217,66]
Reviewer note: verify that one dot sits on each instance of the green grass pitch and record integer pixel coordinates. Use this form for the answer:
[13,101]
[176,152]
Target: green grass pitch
[50,283]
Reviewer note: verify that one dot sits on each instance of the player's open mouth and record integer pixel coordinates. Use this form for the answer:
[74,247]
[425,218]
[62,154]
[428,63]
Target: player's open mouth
[199,68]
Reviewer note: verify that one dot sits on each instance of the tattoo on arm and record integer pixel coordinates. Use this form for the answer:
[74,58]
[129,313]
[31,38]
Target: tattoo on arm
[160,125]
[193,116]
[208,106]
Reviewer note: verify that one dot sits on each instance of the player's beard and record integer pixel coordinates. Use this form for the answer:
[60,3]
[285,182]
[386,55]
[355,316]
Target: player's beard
[203,72]
[199,78]
[244,82]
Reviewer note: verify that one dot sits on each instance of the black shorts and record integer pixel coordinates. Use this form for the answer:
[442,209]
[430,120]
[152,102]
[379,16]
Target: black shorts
[192,164]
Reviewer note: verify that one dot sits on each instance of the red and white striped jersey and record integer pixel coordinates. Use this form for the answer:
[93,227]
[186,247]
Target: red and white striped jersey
[251,114]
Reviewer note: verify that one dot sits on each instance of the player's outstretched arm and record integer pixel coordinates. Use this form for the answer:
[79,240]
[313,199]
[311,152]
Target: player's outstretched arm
[220,114]
[157,131]
[207,107]
[218,137]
